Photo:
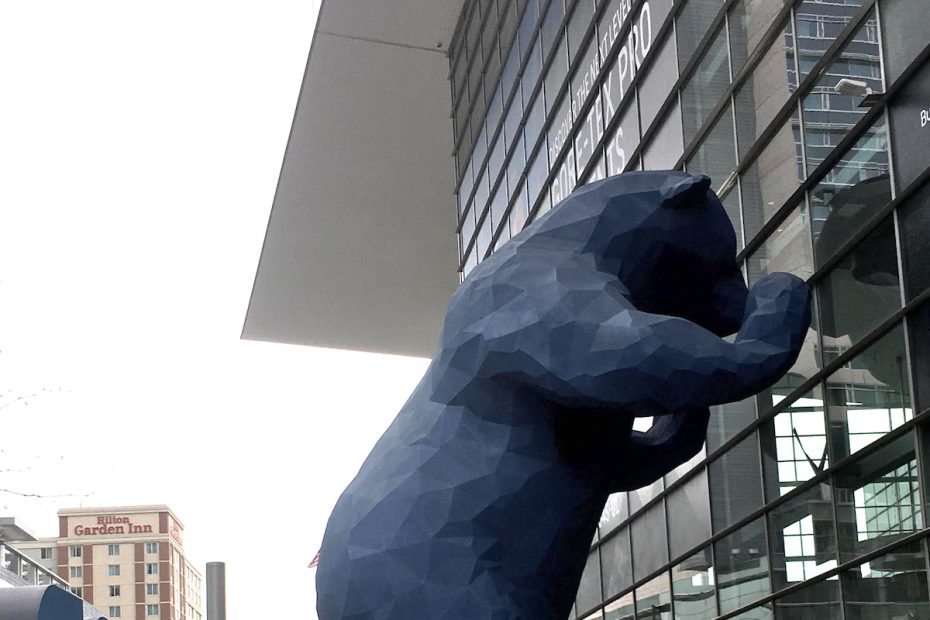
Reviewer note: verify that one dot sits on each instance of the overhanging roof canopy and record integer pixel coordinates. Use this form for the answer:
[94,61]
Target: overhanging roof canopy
[360,248]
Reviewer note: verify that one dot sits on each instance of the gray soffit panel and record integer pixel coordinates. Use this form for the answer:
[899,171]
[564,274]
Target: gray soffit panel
[360,249]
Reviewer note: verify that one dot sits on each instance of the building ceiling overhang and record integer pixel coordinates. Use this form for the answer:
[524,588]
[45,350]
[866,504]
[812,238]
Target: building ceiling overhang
[360,249]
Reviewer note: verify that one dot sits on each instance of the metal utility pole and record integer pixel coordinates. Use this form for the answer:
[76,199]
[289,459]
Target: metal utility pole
[216,591]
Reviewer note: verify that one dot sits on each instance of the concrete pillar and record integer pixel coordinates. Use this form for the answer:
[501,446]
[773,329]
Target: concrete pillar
[216,591]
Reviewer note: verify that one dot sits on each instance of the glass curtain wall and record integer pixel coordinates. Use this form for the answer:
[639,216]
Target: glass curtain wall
[808,500]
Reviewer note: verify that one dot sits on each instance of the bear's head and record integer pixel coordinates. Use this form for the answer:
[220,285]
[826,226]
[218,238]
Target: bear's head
[667,237]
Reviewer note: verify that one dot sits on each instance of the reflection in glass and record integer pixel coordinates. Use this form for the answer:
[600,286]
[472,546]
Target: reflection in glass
[802,537]
[621,609]
[688,515]
[742,566]
[893,585]
[868,397]
[820,23]
[766,90]
[773,177]
[666,147]
[656,84]
[794,444]
[693,23]
[654,599]
[616,566]
[727,420]
[748,20]
[819,600]
[878,499]
[616,511]
[706,87]
[918,325]
[716,157]
[597,615]
[589,590]
[735,483]
[788,248]
[863,289]
[854,190]
[828,114]
[693,587]
[915,241]
[649,541]
[686,467]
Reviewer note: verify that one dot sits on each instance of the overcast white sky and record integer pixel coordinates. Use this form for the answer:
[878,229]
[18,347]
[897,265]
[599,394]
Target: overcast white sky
[140,145]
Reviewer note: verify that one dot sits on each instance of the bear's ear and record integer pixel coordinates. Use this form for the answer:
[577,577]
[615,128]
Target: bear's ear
[687,192]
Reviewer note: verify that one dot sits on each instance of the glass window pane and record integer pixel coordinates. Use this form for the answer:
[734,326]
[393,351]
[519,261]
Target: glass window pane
[890,586]
[693,589]
[828,113]
[555,78]
[654,599]
[621,609]
[716,157]
[735,483]
[655,86]
[533,68]
[685,468]
[666,147]
[918,323]
[693,23]
[483,241]
[589,590]
[688,515]
[766,90]
[706,87]
[868,397]
[878,499]
[818,25]
[616,511]
[642,496]
[819,600]
[773,177]
[742,566]
[727,420]
[549,30]
[851,192]
[616,566]
[519,211]
[802,537]
[578,23]
[748,20]
[794,444]
[538,171]
[862,290]
[527,28]
[649,538]
[624,139]
[915,241]
[788,248]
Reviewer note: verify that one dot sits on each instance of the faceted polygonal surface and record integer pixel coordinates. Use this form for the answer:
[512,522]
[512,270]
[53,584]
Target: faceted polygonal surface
[481,499]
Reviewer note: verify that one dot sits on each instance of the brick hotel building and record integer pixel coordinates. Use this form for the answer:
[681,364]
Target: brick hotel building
[127,561]
[428,132]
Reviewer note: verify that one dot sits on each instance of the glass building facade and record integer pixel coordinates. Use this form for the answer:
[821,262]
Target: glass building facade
[812,117]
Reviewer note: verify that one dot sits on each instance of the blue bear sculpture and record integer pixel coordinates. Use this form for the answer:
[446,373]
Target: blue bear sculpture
[481,499]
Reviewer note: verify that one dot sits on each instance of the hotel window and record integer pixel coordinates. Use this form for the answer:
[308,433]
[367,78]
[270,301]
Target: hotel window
[151,589]
[114,612]
[112,549]
[151,568]
[45,553]
[151,610]
[113,570]
[114,590]
[151,547]
[76,572]
[75,551]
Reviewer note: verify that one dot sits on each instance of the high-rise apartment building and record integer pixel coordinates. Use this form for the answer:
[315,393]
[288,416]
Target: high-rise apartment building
[128,561]
[813,119]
